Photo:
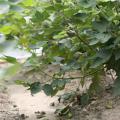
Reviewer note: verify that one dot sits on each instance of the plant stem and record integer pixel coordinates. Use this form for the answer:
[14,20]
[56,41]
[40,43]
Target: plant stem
[71,78]
[84,42]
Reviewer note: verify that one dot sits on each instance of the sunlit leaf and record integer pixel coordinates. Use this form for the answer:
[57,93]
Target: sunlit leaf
[28,2]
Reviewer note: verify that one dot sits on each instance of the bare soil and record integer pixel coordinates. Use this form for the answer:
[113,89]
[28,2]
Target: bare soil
[16,103]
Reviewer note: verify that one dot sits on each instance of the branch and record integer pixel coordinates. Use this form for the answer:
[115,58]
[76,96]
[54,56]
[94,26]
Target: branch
[77,35]
[46,74]
[69,78]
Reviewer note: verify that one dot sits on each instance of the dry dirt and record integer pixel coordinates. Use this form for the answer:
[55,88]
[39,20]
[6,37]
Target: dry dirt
[7,111]
[16,103]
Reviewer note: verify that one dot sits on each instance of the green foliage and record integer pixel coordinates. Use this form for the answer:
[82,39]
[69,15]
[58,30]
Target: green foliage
[10,59]
[22,82]
[65,112]
[35,87]
[11,70]
[79,35]
[68,96]
[58,84]
[84,99]
[48,89]
[54,87]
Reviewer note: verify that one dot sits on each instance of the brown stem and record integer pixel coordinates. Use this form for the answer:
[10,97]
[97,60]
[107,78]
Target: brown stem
[70,78]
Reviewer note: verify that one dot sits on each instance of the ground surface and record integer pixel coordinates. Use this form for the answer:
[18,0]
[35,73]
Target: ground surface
[7,111]
[16,103]
[19,102]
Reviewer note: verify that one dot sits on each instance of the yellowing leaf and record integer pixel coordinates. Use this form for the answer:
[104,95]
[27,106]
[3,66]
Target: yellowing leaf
[28,2]
[6,29]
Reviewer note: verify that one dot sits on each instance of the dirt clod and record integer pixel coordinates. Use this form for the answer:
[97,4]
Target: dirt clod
[52,104]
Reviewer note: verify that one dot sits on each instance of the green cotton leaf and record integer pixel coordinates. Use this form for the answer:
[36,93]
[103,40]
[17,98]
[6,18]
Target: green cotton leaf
[59,6]
[40,16]
[28,2]
[116,88]
[35,87]
[67,96]
[102,37]
[117,54]
[84,99]
[95,87]
[58,60]
[54,92]
[16,8]
[48,90]
[101,57]
[10,59]
[60,35]
[58,84]
[54,83]
[104,53]
[101,26]
[6,29]
[69,12]
[117,41]
[32,61]
[81,16]
[58,1]
[61,84]
[88,3]
[93,42]
[66,42]
[97,62]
